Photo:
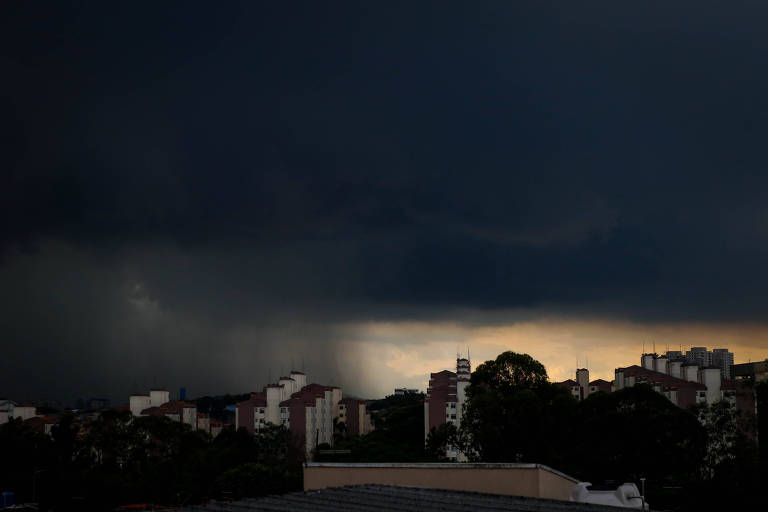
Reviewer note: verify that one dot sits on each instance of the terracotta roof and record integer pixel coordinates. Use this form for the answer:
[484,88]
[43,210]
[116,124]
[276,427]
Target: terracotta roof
[256,400]
[659,378]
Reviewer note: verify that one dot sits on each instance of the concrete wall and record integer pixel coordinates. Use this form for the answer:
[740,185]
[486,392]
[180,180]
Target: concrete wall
[531,480]
[138,403]
[158,397]
[24,412]
[710,377]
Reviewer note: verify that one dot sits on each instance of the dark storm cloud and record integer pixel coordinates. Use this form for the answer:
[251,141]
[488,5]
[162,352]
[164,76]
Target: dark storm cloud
[256,165]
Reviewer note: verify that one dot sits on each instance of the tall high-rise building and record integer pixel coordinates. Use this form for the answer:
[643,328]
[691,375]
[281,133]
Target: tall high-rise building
[719,357]
[445,400]
[699,355]
[723,359]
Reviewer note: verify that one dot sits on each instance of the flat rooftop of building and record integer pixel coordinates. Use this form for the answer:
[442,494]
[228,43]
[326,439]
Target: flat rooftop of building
[385,497]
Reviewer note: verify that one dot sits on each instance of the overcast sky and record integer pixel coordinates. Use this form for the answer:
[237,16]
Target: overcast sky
[204,195]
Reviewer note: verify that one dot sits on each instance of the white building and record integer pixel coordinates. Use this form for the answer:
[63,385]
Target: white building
[138,403]
[158,397]
[158,403]
[307,410]
[24,412]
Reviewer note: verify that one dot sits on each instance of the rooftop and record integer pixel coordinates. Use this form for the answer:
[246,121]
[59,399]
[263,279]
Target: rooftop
[384,497]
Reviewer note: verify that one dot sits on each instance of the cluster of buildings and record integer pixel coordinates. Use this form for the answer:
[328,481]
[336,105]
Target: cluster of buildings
[685,378]
[158,403]
[10,410]
[582,387]
[697,376]
[312,412]
[33,417]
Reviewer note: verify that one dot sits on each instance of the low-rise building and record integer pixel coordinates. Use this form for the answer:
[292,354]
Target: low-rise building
[216,427]
[23,411]
[42,424]
[203,422]
[755,372]
[184,412]
[356,418]
[531,480]
[680,392]
[582,387]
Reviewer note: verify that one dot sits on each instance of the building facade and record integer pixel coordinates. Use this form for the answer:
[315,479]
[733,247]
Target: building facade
[356,418]
[307,410]
[721,358]
[444,403]
[755,372]
[582,387]
[684,382]
[158,403]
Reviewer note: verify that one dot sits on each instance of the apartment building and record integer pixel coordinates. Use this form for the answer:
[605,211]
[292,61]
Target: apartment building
[446,396]
[307,410]
[356,418]
[721,358]
[582,387]
[686,383]
[158,403]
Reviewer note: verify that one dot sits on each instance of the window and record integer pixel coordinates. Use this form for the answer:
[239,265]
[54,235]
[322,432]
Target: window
[283,409]
[261,410]
[453,416]
[453,406]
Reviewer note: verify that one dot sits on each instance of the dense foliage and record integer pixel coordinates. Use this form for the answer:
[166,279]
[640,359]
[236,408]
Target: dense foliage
[119,459]
[515,414]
